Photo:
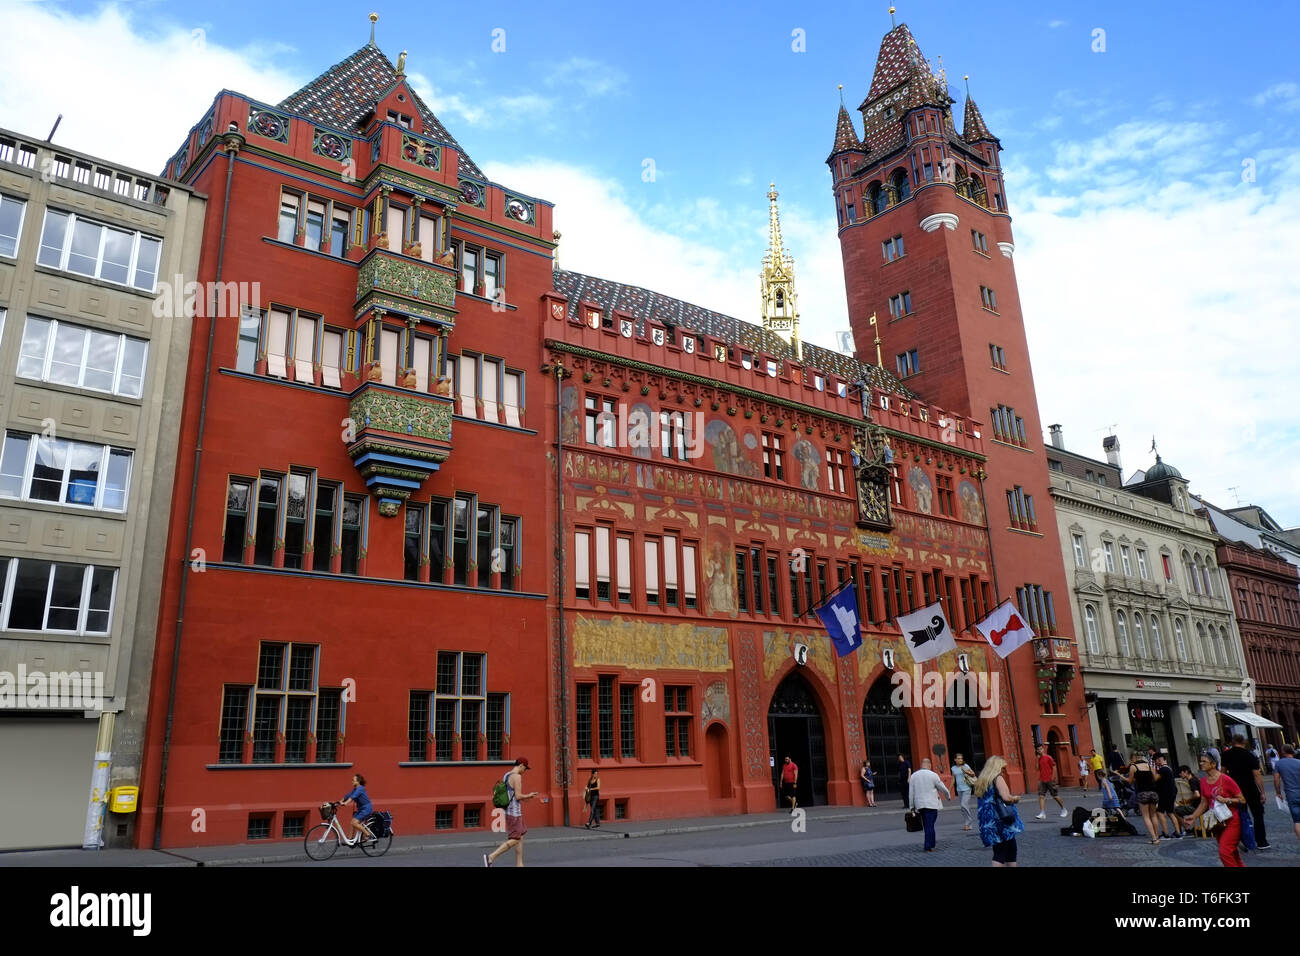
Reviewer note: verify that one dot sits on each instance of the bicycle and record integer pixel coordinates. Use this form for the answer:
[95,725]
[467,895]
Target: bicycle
[323,840]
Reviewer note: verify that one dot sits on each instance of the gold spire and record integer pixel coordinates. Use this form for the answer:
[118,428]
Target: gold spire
[374,18]
[780,304]
[879,359]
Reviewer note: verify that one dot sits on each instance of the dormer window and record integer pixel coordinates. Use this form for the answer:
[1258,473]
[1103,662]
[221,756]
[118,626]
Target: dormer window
[889,112]
[401,119]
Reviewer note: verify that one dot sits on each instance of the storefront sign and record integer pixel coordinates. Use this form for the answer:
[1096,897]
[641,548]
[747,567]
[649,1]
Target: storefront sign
[1147,713]
[1147,682]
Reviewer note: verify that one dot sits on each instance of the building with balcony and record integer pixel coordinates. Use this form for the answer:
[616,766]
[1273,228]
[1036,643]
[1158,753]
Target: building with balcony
[362,474]
[92,366]
[1159,650]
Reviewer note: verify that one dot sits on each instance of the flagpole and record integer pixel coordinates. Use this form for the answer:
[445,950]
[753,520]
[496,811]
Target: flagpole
[1006,675]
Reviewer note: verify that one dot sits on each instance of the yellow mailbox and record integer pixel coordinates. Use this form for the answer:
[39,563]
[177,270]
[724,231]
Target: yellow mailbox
[123,799]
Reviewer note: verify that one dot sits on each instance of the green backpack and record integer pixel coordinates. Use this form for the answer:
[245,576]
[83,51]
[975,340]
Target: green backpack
[501,794]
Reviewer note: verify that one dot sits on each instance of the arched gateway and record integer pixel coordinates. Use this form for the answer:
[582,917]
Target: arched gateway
[885,728]
[794,730]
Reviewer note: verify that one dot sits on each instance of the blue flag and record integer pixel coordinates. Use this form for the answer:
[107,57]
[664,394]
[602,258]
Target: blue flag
[839,615]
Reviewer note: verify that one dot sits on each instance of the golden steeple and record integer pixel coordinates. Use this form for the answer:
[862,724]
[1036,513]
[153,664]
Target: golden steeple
[780,303]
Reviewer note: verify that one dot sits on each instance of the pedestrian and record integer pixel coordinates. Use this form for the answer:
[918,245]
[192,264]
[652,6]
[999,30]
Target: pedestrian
[1083,772]
[1219,788]
[789,783]
[1110,802]
[963,779]
[1286,783]
[515,828]
[1095,762]
[1113,759]
[1047,782]
[1167,791]
[1216,753]
[923,795]
[1189,795]
[868,778]
[1143,778]
[998,819]
[904,775]
[1270,758]
[591,794]
[1243,767]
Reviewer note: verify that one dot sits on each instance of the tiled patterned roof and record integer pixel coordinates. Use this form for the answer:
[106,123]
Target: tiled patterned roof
[846,136]
[893,61]
[973,128]
[642,304]
[344,94]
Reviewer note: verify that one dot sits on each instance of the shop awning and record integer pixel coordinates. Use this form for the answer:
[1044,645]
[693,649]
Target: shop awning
[1246,717]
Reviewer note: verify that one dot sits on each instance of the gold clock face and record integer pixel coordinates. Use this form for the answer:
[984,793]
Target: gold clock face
[873,502]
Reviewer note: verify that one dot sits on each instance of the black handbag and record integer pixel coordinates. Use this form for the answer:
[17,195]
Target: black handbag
[1006,811]
[912,820]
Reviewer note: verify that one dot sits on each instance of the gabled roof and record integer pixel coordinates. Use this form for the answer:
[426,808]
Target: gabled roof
[973,127]
[345,94]
[846,135]
[642,304]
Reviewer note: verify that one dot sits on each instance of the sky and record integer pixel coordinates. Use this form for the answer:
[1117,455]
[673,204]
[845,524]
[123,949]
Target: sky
[1152,159]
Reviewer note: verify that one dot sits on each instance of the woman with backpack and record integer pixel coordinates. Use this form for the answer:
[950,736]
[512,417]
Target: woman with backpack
[592,797]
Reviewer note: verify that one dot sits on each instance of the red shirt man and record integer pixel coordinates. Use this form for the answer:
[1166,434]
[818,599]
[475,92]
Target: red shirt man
[1046,782]
[789,777]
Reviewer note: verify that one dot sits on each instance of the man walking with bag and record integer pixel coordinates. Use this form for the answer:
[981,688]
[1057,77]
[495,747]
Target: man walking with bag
[515,828]
[1243,767]
[923,795]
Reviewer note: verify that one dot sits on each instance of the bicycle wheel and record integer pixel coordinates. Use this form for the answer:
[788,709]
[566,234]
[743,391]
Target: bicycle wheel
[377,847]
[322,842]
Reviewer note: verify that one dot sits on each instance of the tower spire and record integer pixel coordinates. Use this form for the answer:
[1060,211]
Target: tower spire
[374,18]
[780,303]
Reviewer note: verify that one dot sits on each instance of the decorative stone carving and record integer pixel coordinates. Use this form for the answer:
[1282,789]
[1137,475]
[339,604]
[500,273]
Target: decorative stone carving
[948,220]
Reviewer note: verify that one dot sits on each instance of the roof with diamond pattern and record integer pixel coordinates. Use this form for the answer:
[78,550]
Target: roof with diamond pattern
[973,128]
[345,94]
[642,304]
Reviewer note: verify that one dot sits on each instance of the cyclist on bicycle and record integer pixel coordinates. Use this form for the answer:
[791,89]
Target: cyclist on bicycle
[361,808]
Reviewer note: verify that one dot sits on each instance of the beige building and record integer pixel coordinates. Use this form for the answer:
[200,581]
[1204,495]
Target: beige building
[91,386]
[1159,649]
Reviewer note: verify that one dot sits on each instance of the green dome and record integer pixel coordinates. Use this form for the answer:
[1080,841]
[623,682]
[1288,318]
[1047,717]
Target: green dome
[1160,471]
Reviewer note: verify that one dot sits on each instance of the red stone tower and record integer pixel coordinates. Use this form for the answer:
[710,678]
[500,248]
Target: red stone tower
[927,245]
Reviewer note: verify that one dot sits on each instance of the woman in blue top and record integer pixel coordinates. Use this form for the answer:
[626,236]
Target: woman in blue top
[994,832]
[1109,798]
[361,808]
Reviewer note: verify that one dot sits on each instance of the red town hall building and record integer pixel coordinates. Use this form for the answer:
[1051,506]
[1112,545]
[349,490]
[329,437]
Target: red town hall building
[389,439]
[927,245]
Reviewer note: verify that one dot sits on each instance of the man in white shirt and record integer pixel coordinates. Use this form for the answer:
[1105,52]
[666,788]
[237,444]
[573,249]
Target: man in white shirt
[923,795]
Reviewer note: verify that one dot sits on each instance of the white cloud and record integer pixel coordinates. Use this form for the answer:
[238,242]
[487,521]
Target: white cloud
[701,250]
[1283,96]
[592,77]
[1057,24]
[1166,302]
[128,92]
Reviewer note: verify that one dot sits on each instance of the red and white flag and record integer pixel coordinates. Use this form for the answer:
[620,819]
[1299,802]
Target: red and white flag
[1005,629]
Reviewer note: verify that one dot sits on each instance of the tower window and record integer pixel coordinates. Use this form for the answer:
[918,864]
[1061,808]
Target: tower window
[908,363]
[892,248]
[998,357]
[900,305]
[989,298]
[979,241]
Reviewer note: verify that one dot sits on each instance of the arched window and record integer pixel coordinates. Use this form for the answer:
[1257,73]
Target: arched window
[1228,654]
[1179,641]
[1209,574]
[877,198]
[1121,633]
[1137,635]
[1193,580]
[1157,648]
[977,192]
[1207,653]
[902,185]
[1090,617]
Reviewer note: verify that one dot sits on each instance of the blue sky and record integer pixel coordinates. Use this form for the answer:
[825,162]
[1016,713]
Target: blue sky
[1154,186]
